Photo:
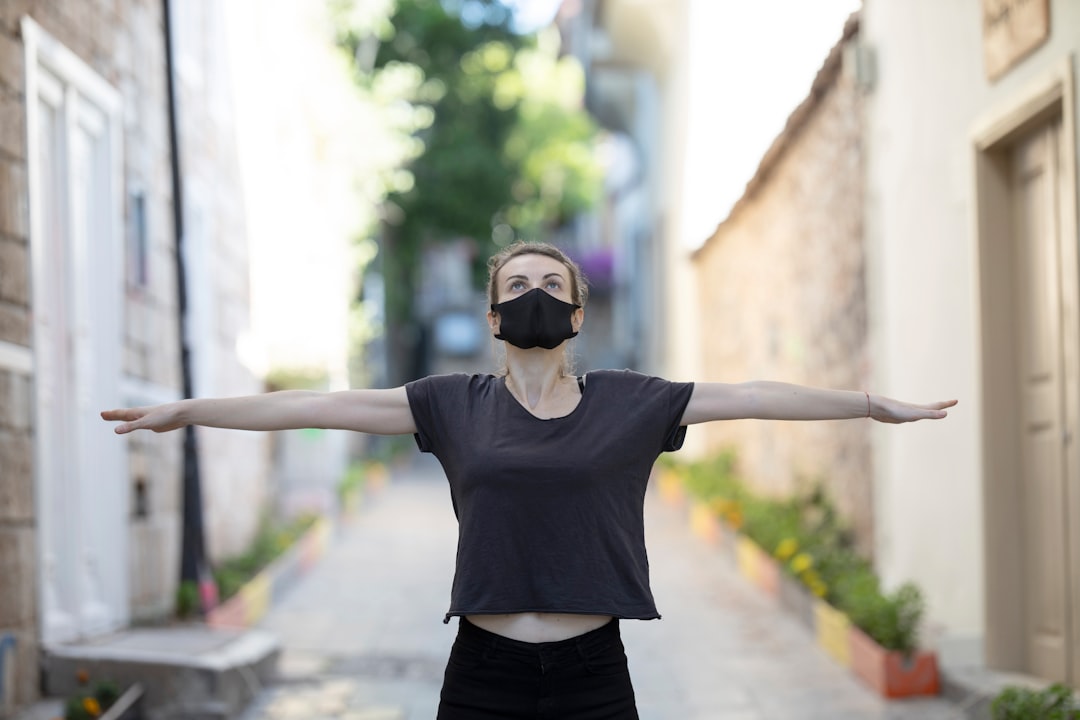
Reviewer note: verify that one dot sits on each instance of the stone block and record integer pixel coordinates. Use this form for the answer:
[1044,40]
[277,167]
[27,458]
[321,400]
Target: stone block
[16,483]
[12,63]
[14,193]
[12,124]
[18,567]
[14,272]
[11,12]
[14,324]
[19,654]
[15,401]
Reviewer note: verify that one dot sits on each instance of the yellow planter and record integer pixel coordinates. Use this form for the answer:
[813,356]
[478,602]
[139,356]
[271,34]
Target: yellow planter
[703,523]
[833,632]
[256,598]
[670,487]
[748,558]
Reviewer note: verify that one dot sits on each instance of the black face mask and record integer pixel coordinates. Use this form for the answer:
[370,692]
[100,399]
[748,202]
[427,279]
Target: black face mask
[535,319]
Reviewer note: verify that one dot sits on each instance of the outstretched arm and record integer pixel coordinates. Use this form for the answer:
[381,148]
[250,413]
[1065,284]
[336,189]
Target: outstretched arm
[381,412]
[766,400]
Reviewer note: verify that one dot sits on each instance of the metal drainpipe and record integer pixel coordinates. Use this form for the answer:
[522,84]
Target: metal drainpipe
[193,566]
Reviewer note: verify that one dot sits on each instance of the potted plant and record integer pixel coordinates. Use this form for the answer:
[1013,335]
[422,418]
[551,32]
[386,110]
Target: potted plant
[884,639]
[102,700]
[1056,702]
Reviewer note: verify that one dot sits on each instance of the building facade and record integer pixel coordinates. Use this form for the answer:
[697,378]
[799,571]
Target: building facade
[971,229]
[90,524]
[782,281]
[635,57]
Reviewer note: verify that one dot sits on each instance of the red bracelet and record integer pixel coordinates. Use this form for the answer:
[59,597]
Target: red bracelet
[867,403]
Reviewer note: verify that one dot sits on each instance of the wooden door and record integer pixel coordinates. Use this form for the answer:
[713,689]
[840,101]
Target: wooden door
[1036,196]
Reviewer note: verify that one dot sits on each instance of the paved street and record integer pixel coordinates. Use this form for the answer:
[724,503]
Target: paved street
[364,638]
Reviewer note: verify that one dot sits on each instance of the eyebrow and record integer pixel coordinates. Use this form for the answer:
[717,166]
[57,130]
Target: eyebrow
[523,277]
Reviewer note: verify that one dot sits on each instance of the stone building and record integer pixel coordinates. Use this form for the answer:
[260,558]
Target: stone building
[782,281]
[90,523]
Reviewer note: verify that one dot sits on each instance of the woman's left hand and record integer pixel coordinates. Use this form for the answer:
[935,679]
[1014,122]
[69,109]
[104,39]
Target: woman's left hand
[891,411]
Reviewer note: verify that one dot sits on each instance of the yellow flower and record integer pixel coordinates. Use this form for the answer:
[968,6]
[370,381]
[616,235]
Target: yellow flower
[818,588]
[801,563]
[92,706]
[734,517]
[786,549]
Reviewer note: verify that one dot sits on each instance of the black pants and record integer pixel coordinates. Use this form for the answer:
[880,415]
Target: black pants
[490,677]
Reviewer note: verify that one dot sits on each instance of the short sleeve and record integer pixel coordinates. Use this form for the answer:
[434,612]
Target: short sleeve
[649,408]
[429,399]
[678,398]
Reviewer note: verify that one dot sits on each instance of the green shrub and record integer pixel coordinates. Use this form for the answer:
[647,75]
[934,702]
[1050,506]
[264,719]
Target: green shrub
[892,620]
[271,540]
[806,534]
[1056,702]
[352,479]
[90,705]
[187,598]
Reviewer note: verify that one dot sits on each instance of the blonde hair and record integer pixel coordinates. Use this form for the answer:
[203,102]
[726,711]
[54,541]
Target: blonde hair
[579,288]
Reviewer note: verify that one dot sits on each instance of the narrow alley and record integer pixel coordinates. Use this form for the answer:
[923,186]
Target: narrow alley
[363,636]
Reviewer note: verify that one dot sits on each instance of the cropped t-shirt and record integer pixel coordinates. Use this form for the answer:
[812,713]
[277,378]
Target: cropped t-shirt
[550,511]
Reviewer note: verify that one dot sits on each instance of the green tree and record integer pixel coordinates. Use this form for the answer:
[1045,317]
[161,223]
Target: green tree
[504,146]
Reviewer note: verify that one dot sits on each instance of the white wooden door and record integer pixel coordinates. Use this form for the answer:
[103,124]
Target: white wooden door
[1036,194]
[82,509]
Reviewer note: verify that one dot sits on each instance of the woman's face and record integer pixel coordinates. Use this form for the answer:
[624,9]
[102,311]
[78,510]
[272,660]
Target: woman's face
[525,272]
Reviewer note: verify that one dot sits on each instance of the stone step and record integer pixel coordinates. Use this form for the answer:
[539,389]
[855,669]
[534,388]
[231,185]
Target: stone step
[187,672]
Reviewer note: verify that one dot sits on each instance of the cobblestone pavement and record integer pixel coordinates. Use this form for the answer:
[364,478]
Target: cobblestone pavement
[363,635]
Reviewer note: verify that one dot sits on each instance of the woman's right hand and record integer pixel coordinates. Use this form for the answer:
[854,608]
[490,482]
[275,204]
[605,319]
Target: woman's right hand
[159,418]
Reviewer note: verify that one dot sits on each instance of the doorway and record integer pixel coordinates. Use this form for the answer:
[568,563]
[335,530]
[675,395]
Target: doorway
[1026,168]
[73,142]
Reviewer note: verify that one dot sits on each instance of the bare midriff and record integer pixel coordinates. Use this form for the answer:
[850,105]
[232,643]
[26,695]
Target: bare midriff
[539,627]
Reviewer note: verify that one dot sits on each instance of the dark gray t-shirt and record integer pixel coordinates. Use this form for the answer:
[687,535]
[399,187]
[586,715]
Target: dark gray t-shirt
[550,512]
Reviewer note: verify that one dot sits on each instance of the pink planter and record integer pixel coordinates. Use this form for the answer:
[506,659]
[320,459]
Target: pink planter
[890,672]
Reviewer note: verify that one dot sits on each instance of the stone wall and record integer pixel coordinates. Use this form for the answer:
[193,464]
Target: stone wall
[782,283]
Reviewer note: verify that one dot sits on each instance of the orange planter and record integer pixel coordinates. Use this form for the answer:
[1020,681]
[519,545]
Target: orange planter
[768,577]
[890,672]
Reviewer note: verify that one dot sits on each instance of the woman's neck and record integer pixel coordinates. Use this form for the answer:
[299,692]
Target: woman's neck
[534,375]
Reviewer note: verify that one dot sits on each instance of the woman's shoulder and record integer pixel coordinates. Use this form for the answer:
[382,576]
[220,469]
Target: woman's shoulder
[460,382]
[624,376]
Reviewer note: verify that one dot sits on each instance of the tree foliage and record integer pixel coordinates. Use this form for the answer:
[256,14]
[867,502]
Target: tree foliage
[504,147]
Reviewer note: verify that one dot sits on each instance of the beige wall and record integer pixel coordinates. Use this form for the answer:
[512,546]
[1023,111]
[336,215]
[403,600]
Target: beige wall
[929,95]
[782,285]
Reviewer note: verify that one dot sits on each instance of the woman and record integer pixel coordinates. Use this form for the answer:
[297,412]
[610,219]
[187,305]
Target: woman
[547,474]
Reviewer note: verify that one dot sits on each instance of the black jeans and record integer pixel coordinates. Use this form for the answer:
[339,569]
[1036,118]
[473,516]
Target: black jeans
[490,677]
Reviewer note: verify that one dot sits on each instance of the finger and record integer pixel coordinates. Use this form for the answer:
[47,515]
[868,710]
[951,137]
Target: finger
[122,414]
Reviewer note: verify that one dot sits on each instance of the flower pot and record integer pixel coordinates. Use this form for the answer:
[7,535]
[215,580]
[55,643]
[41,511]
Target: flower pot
[890,672]
[748,558]
[833,632]
[704,524]
[768,577]
[670,487]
